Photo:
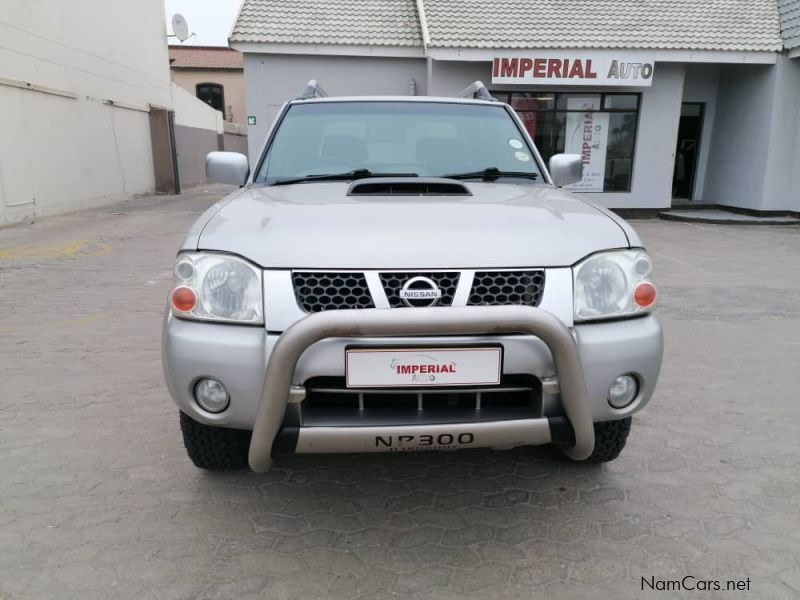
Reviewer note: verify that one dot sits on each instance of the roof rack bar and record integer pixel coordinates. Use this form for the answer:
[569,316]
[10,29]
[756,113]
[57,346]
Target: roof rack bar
[312,90]
[477,90]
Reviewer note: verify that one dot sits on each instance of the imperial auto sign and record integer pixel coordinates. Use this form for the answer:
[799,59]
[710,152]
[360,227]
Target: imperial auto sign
[600,68]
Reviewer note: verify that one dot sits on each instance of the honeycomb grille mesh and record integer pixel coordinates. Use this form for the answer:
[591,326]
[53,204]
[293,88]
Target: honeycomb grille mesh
[503,288]
[316,292]
[393,283]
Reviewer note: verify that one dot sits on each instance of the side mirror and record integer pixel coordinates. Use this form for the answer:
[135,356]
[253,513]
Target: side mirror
[227,167]
[566,169]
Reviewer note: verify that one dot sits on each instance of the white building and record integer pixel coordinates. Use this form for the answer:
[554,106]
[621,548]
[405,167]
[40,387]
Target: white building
[87,112]
[670,102]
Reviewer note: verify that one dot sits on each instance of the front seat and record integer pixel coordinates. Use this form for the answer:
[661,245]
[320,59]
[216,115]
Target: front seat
[441,156]
[344,150]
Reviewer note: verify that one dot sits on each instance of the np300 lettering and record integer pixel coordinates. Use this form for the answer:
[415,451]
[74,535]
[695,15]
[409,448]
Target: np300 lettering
[514,313]
[442,439]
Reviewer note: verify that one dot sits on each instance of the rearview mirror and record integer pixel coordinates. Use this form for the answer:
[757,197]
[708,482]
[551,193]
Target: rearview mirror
[227,167]
[566,169]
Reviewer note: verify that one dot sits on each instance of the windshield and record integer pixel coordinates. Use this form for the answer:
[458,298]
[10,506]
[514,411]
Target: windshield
[412,138]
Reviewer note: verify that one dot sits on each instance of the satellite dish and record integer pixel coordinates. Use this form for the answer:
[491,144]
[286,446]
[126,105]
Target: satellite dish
[180,27]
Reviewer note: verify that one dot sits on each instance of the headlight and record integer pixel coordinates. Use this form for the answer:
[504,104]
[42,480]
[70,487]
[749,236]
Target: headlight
[217,287]
[613,284]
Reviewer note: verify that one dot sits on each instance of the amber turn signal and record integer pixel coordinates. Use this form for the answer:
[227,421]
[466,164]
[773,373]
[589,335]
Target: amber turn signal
[645,294]
[183,299]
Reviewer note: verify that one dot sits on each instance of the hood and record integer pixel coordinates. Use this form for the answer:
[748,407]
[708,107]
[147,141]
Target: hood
[318,226]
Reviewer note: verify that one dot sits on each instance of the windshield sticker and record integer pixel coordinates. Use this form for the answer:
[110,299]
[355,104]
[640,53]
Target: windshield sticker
[515,143]
[521,156]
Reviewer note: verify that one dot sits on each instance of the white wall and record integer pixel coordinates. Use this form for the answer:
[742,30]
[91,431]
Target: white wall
[783,161]
[740,141]
[794,187]
[232,83]
[450,77]
[193,112]
[755,153]
[79,135]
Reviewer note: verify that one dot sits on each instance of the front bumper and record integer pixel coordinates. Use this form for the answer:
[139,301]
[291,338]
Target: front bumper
[259,371]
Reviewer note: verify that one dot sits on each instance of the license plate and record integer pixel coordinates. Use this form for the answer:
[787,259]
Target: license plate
[422,367]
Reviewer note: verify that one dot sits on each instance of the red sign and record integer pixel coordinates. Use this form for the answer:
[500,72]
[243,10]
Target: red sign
[554,68]
[591,67]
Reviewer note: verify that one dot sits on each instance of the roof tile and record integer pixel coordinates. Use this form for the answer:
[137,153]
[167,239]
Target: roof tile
[350,22]
[738,25]
[790,22]
[734,25]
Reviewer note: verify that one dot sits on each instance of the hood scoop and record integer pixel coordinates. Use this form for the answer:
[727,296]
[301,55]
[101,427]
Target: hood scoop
[407,186]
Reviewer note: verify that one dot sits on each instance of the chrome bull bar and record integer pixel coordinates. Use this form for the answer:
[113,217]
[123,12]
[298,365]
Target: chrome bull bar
[467,320]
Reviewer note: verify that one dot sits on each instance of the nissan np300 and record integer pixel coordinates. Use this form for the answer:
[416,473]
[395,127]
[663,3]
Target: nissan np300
[403,273]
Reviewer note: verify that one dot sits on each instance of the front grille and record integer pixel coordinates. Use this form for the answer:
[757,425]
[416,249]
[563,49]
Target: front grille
[319,291]
[503,288]
[393,283]
[329,402]
[316,292]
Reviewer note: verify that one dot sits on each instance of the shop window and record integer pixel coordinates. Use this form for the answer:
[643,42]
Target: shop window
[600,127]
[212,94]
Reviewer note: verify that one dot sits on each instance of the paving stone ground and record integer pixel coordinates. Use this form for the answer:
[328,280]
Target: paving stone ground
[98,500]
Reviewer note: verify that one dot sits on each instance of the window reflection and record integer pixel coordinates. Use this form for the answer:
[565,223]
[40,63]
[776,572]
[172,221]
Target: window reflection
[600,127]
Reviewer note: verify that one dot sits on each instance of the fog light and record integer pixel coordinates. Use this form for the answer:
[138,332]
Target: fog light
[211,395]
[622,391]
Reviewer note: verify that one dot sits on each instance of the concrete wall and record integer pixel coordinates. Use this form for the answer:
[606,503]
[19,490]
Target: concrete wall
[231,81]
[198,129]
[451,77]
[740,141]
[794,186]
[755,152]
[232,142]
[783,164]
[76,82]
[271,80]
[702,85]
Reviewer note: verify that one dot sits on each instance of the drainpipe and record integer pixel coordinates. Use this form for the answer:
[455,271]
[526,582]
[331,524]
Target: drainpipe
[428,74]
[426,40]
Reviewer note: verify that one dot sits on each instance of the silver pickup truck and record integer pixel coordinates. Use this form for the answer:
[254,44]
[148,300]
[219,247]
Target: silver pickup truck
[400,274]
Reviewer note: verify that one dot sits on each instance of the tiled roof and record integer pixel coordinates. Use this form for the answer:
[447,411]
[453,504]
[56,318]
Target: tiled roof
[348,22]
[790,22]
[734,25]
[204,57]
[739,25]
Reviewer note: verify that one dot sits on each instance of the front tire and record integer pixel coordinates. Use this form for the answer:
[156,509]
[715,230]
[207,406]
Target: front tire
[609,440]
[214,448]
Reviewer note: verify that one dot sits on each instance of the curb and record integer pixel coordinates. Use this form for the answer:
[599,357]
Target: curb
[711,221]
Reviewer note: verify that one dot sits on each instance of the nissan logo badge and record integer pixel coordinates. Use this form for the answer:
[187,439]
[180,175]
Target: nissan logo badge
[420,292]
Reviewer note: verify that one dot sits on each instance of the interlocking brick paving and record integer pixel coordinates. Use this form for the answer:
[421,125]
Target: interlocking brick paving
[98,500]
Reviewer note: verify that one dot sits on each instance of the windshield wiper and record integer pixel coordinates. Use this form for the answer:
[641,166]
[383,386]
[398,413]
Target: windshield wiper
[492,174]
[346,176]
